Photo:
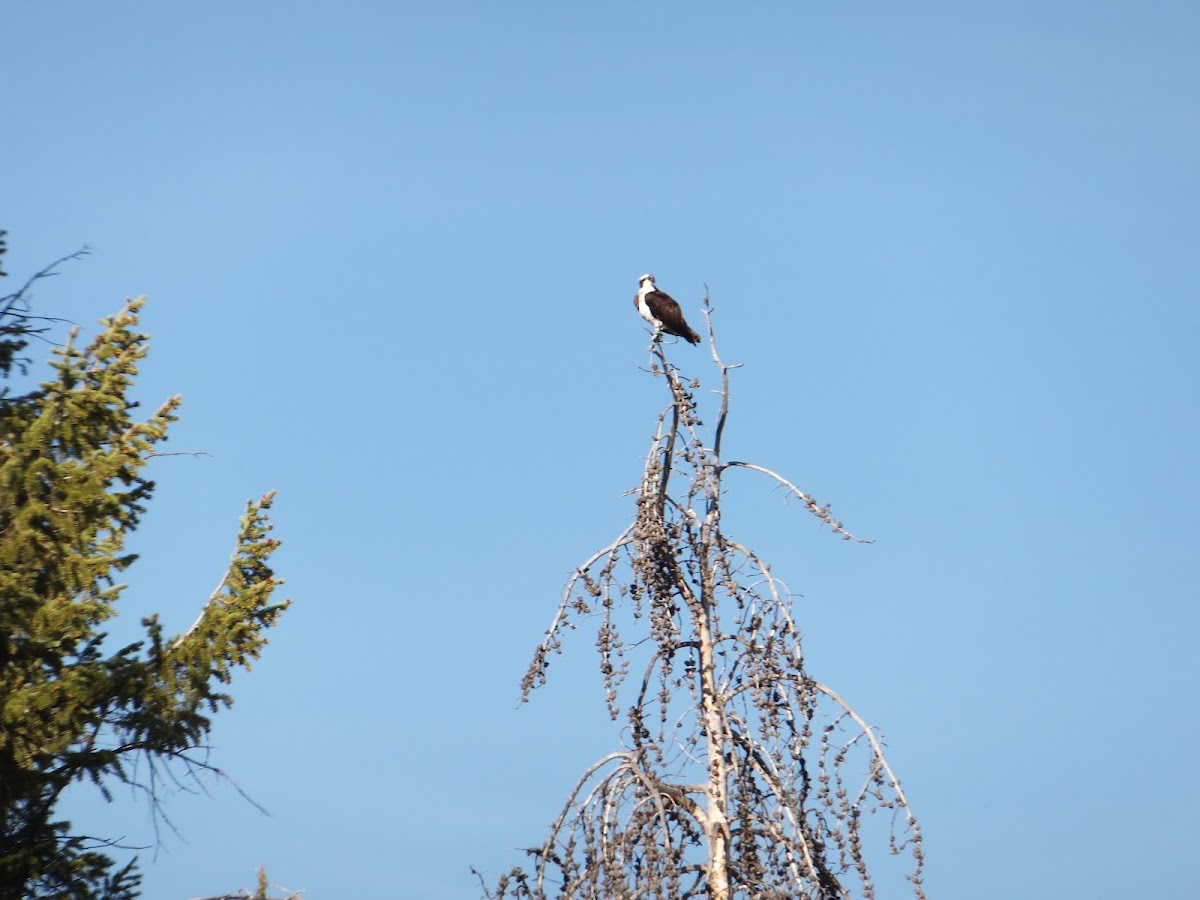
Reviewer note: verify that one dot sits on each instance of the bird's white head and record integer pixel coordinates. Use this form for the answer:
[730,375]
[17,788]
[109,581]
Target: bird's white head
[646,278]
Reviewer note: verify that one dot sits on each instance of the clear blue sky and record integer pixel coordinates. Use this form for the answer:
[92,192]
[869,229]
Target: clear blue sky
[390,250]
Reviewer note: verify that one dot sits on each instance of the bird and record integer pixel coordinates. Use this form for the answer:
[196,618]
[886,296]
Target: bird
[660,310]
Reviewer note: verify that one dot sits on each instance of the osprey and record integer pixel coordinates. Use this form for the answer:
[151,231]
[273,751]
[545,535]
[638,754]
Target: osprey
[661,311]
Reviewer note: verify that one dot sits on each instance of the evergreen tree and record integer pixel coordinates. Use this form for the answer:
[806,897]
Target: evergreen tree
[72,708]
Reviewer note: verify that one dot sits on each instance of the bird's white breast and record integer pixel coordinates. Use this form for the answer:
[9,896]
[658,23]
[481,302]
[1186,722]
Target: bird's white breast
[644,308]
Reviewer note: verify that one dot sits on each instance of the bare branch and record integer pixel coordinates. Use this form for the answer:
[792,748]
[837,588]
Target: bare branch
[821,512]
[8,303]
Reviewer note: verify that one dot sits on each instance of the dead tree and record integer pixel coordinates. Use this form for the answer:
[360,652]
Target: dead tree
[260,892]
[738,774]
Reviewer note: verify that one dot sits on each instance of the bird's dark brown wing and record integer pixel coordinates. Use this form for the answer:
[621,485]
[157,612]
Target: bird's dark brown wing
[667,311]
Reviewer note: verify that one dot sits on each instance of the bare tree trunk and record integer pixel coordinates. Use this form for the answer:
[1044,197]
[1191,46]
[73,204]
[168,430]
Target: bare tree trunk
[717,827]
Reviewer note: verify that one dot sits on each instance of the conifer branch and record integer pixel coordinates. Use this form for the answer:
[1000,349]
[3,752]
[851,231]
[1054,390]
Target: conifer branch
[72,709]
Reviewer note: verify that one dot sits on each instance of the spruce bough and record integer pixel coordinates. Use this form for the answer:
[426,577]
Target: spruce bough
[72,488]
